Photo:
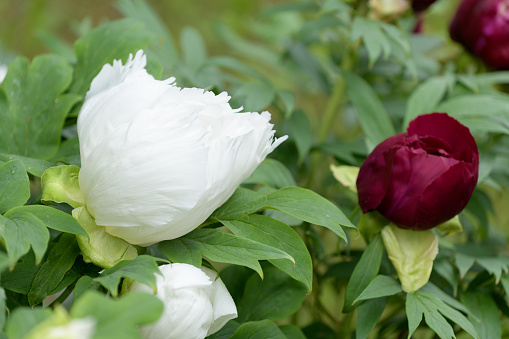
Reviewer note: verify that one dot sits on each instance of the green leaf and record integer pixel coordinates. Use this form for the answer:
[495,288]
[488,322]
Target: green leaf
[142,269]
[434,310]
[194,51]
[20,232]
[61,184]
[368,315]
[463,263]
[52,218]
[108,42]
[494,265]
[292,332]
[288,100]
[275,297]
[20,279]
[271,232]
[486,311]
[220,246]
[446,298]
[84,284]
[425,98]
[374,39]
[373,117]
[380,286]
[33,166]
[23,319]
[300,132]
[60,260]
[271,173]
[445,269]
[118,318]
[2,308]
[14,185]
[262,329]
[365,271]
[256,95]
[241,203]
[233,64]
[32,123]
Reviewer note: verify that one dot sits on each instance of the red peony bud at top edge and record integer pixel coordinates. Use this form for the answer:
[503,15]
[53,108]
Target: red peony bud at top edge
[423,177]
[482,26]
[421,5]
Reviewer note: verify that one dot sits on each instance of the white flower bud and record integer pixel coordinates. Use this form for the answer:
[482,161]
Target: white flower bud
[156,159]
[196,303]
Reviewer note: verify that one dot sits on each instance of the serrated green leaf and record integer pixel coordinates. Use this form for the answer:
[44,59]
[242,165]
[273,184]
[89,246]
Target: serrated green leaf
[271,232]
[494,265]
[425,98]
[487,324]
[60,260]
[446,298]
[262,329]
[365,271]
[61,184]
[105,43]
[24,319]
[300,132]
[271,173]
[380,286]
[373,117]
[21,232]
[142,269]
[33,166]
[32,123]
[118,318]
[374,39]
[275,297]
[368,315]
[52,218]
[14,185]
[224,247]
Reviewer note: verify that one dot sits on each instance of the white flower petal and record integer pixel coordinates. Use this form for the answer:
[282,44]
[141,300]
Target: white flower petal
[3,72]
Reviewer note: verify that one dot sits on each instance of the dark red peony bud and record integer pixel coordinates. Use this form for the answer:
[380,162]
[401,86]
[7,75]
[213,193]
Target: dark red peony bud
[423,177]
[421,5]
[482,26]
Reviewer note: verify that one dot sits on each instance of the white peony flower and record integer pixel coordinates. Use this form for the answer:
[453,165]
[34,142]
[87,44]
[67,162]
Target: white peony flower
[3,72]
[196,303]
[157,159]
[76,329]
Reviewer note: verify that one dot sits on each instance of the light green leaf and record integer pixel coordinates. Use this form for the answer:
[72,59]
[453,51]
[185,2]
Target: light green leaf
[413,313]
[32,123]
[52,218]
[61,184]
[2,308]
[365,271]
[464,263]
[262,329]
[487,324]
[60,260]
[118,318]
[24,319]
[33,166]
[380,286]
[300,132]
[21,231]
[374,39]
[14,185]
[271,232]
[412,254]
[271,173]
[373,117]
[288,100]
[142,269]
[275,297]
[346,175]
[494,265]
[368,315]
[233,64]
[256,95]
[220,246]
[425,98]
[194,51]
[107,42]
[101,248]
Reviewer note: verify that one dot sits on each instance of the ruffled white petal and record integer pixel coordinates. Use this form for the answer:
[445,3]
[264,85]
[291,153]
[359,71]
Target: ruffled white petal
[157,160]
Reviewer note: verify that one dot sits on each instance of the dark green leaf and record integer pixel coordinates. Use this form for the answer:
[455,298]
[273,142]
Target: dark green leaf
[486,311]
[263,329]
[365,271]
[60,260]
[83,284]
[108,42]
[142,269]
[413,313]
[14,185]
[275,297]
[276,234]
[292,332]
[226,331]
[220,246]
[20,279]
[368,315]
[36,111]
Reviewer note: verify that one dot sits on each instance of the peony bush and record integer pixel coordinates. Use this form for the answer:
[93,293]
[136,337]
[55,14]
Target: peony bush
[308,169]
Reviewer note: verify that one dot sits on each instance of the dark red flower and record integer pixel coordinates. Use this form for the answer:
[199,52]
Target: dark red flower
[482,26]
[421,5]
[423,177]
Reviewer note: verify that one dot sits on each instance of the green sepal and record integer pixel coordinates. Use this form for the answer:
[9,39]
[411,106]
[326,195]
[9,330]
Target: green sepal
[412,254]
[346,175]
[102,249]
[61,184]
[451,226]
